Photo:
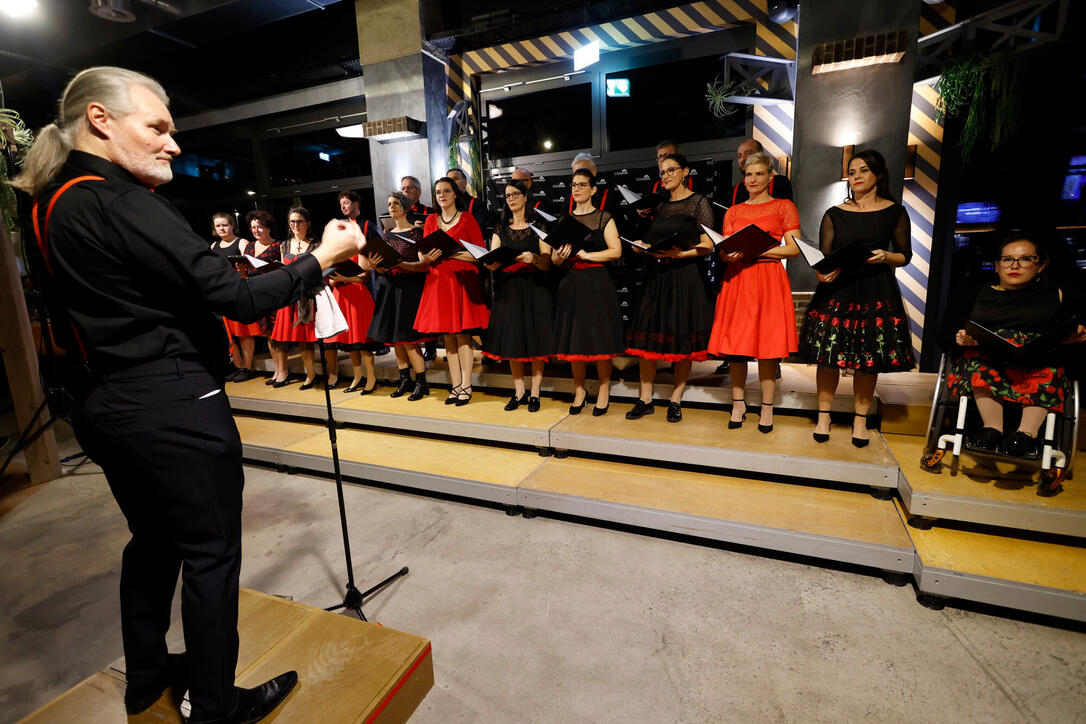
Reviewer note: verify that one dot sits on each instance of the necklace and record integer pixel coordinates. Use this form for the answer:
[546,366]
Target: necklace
[449,221]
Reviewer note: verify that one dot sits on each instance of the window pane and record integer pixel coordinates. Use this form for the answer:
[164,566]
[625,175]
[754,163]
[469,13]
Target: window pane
[315,156]
[549,121]
[668,101]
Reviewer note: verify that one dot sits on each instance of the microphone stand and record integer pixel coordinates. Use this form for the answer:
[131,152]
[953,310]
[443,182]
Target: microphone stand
[354,598]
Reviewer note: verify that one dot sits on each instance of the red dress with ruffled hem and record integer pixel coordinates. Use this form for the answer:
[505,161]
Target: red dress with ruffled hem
[356,303]
[755,316]
[452,298]
[284,329]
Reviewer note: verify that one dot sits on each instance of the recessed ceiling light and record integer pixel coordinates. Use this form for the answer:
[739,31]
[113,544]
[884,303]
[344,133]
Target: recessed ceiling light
[18,8]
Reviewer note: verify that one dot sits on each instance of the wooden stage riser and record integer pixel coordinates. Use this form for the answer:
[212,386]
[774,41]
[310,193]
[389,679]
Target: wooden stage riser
[998,592]
[987,512]
[621,390]
[795,466]
[502,494]
[885,558]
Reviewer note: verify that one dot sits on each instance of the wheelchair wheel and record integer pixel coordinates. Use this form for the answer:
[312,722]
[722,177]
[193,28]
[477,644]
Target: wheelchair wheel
[1051,482]
[933,460]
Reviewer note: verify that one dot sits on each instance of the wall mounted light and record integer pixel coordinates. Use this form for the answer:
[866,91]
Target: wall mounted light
[400,128]
[846,156]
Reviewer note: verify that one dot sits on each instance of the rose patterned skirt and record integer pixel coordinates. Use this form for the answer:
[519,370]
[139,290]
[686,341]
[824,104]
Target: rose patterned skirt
[973,368]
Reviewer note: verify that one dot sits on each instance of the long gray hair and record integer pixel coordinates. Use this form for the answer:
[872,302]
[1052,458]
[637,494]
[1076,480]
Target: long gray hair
[107,85]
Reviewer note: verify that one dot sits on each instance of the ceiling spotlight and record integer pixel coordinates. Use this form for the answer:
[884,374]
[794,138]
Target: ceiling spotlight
[781,11]
[18,8]
[112,10]
[547,144]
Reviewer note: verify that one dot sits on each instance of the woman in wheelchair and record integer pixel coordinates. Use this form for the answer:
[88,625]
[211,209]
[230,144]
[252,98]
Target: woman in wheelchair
[1021,307]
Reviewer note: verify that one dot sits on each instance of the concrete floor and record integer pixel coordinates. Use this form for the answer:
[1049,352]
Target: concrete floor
[550,620]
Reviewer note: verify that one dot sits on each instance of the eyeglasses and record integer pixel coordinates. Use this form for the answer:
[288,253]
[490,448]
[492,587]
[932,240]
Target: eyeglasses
[665,172]
[513,195]
[295,222]
[580,185]
[1024,262]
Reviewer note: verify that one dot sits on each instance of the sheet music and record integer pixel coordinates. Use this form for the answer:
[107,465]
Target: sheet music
[638,244]
[715,236]
[474,249]
[541,234]
[629,196]
[545,215]
[812,254]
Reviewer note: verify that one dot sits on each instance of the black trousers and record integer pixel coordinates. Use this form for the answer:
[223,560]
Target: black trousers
[172,456]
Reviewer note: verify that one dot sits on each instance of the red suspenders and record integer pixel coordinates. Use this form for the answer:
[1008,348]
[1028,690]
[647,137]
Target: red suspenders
[41,235]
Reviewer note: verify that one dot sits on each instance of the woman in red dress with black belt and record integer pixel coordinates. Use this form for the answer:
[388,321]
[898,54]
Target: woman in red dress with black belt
[452,298]
[266,249]
[294,323]
[356,302]
[755,317]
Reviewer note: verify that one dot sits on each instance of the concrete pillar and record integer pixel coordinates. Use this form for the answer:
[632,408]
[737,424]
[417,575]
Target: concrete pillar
[401,80]
[866,107]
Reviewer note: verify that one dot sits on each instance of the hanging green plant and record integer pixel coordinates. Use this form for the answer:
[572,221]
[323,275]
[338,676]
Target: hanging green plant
[24,138]
[988,90]
[717,94]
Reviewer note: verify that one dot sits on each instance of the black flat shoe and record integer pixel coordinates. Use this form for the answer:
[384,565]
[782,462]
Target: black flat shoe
[860,442]
[639,410]
[308,385]
[453,393]
[243,375]
[255,704]
[533,404]
[270,381]
[139,697]
[576,409]
[736,424]
[601,411]
[332,385]
[515,402]
[674,412]
[821,436]
[280,383]
[355,387]
[460,399]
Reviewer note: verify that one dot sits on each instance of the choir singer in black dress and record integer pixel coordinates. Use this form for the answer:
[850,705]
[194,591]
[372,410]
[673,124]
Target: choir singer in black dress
[587,321]
[674,313]
[522,313]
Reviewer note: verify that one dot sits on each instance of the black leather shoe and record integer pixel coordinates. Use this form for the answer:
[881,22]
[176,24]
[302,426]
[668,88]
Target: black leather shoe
[453,394]
[281,383]
[139,697]
[639,410]
[533,404]
[576,409]
[1020,445]
[255,704]
[355,388]
[765,429]
[422,389]
[736,424]
[601,411]
[331,385]
[243,375]
[515,402]
[308,385]
[270,381]
[406,383]
[674,412]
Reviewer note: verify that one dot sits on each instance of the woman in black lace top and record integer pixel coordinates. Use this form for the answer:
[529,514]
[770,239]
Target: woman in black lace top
[587,321]
[856,319]
[523,309]
[674,313]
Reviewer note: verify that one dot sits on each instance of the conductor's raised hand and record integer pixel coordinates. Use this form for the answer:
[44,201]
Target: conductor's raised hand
[340,241]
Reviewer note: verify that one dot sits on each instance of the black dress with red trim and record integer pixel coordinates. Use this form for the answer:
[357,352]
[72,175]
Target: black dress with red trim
[858,321]
[587,321]
[397,300]
[231,249]
[522,313]
[673,316]
[356,302]
[287,328]
[1019,315]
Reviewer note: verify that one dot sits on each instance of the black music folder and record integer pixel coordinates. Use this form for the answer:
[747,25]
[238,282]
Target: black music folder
[504,255]
[569,231]
[251,266]
[1003,348]
[441,241]
[751,240]
[680,232]
[846,258]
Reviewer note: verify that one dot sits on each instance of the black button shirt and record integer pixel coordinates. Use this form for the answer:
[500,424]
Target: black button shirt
[138,283]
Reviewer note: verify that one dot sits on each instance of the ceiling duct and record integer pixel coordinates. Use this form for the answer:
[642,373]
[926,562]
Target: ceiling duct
[115,11]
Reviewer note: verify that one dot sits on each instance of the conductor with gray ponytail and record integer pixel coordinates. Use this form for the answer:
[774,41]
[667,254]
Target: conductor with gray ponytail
[145,297]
